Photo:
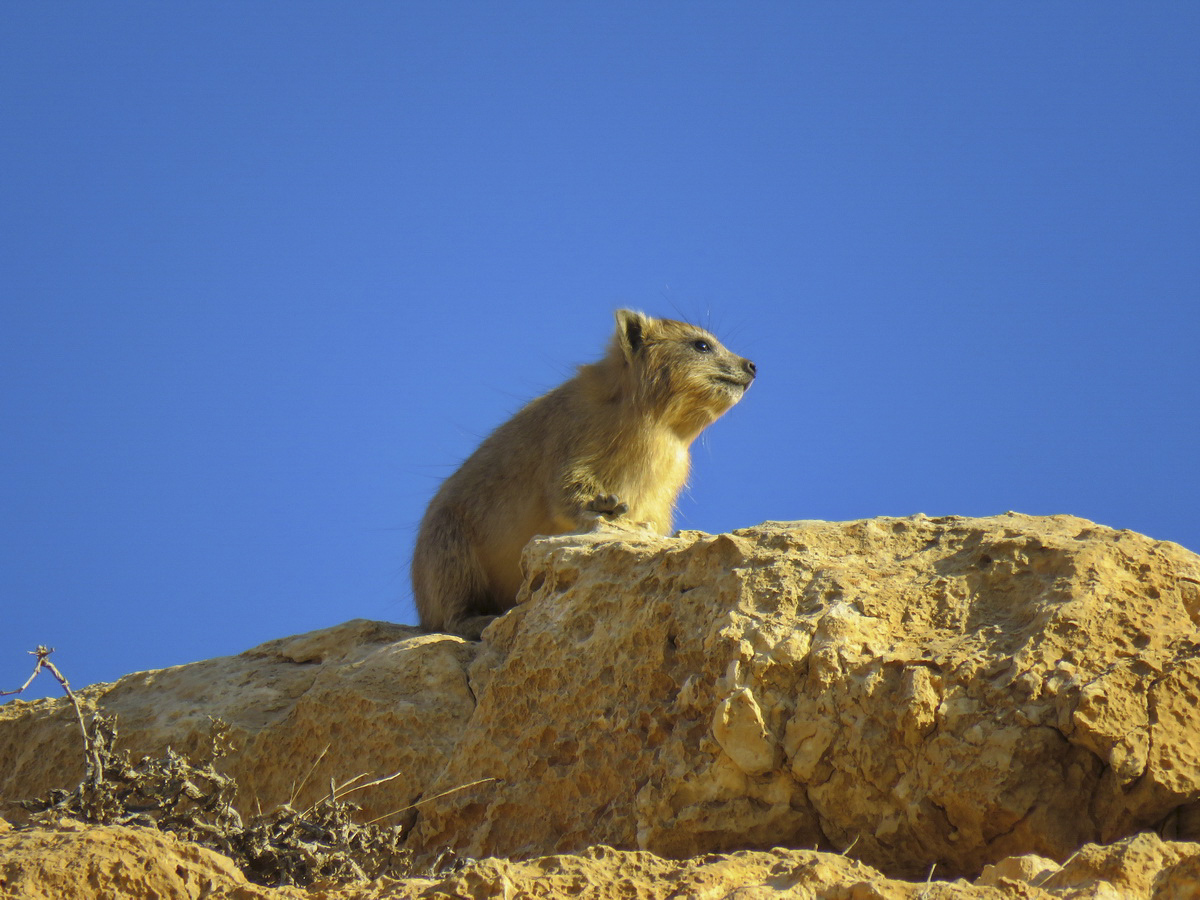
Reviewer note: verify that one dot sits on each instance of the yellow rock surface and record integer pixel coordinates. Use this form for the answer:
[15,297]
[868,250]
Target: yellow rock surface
[1013,692]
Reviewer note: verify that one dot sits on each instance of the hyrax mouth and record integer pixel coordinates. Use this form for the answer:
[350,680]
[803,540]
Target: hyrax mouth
[735,382]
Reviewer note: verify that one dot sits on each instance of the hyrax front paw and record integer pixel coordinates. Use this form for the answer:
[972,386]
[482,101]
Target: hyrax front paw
[608,505]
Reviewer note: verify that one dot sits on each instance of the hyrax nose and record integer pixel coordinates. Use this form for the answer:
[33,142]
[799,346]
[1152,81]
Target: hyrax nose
[749,368]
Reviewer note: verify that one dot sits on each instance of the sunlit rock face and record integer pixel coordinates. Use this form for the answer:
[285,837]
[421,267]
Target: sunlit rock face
[912,692]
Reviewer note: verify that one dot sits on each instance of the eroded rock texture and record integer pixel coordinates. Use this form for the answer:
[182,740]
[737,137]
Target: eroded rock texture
[922,691]
[363,697]
[74,863]
[910,691]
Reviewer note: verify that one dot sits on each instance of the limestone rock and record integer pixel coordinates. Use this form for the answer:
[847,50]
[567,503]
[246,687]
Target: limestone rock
[382,698]
[1141,866]
[911,691]
[74,862]
[923,691]
[1030,869]
[1138,868]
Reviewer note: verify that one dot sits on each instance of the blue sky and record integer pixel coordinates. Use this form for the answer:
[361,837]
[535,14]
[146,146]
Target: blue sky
[268,272]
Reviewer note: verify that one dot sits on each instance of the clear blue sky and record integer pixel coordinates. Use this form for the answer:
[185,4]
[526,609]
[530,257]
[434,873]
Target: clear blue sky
[269,271]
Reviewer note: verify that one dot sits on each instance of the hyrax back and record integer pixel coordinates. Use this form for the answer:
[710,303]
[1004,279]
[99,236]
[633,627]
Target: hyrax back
[613,441]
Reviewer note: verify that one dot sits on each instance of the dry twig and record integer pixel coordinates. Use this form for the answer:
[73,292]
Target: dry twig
[94,766]
[422,802]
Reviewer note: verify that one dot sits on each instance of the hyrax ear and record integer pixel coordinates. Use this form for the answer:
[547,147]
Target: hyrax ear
[631,331]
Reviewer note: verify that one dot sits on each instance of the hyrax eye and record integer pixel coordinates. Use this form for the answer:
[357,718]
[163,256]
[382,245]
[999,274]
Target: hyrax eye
[702,346]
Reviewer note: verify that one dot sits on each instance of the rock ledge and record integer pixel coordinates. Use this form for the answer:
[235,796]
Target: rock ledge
[913,692]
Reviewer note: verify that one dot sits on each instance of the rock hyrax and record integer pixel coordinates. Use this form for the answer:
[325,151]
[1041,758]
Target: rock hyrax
[611,442]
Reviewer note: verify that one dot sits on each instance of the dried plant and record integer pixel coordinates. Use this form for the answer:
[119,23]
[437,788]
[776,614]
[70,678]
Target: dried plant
[193,800]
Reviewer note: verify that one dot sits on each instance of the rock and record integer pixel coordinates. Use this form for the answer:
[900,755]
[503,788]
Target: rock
[380,698]
[1140,866]
[607,874]
[915,692]
[1030,869]
[76,862]
[948,691]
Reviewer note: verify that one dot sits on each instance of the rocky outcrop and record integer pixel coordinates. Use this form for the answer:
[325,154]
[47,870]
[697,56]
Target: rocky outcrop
[77,862]
[912,692]
[363,697]
[80,863]
[921,691]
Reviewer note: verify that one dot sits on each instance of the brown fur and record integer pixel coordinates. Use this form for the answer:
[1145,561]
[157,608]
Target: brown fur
[612,441]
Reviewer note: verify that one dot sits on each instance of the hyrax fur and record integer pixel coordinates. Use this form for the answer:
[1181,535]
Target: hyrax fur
[611,442]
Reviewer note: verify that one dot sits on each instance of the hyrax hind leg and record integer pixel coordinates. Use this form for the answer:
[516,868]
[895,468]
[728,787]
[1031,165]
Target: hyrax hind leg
[449,583]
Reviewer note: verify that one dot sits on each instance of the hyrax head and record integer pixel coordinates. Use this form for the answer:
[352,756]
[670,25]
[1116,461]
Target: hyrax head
[679,372]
